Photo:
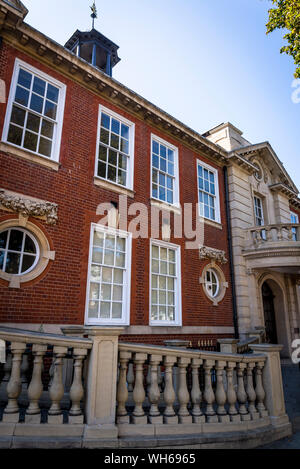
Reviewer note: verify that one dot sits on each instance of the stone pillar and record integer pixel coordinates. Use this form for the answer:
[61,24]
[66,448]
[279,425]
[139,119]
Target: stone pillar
[101,386]
[228,345]
[272,382]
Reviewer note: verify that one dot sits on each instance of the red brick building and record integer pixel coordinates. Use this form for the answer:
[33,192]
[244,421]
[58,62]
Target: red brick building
[72,138]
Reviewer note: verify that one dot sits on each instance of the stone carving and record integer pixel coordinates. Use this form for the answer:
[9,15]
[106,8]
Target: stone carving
[29,207]
[214,254]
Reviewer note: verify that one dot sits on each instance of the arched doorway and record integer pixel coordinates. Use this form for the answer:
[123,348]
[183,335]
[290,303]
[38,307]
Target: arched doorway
[269,314]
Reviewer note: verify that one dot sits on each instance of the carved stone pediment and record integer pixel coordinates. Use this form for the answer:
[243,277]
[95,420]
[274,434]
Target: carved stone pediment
[29,207]
[213,254]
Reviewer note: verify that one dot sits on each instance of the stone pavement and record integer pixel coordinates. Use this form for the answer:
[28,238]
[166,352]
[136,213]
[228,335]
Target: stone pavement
[291,385]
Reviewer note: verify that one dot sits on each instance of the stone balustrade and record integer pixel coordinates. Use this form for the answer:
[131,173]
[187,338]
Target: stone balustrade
[197,387]
[125,394]
[274,233]
[26,353]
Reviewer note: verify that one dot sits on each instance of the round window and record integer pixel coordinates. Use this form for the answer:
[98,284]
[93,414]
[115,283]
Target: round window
[19,251]
[211,283]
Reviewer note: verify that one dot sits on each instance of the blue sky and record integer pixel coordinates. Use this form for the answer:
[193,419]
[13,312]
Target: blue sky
[203,61]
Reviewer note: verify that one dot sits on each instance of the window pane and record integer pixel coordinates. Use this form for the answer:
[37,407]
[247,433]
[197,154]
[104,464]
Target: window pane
[155,147]
[120,259]
[22,96]
[112,157]
[97,255]
[18,116]
[45,146]
[95,273]
[52,93]
[105,120]
[47,129]
[124,146]
[107,275]
[102,153]
[104,310]
[106,292]
[118,276]
[109,257]
[116,310]
[115,141]
[33,122]
[15,135]
[3,239]
[30,141]
[117,293]
[110,242]
[104,136]
[121,178]
[36,103]
[115,126]
[1,260]
[93,309]
[112,173]
[125,131]
[102,170]
[12,263]
[50,110]
[15,240]
[94,291]
[24,78]
[39,86]
[29,245]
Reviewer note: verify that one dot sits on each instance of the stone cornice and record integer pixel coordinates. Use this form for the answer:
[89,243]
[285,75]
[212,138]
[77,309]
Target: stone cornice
[243,162]
[280,187]
[295,201]
[29,206]
[213,254]
[25,38]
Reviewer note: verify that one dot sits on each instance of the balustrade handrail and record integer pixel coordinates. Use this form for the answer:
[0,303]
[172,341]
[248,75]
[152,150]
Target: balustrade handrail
[197,354]
[274,225]
[41,338]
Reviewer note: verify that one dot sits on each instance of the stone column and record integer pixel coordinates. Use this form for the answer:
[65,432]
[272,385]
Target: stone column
[228,345]
[272,382]
[101,386]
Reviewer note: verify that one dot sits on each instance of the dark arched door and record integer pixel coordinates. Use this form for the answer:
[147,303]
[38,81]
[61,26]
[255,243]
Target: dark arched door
[269,313]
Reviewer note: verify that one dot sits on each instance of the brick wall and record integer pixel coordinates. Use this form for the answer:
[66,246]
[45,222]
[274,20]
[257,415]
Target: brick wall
[58,296]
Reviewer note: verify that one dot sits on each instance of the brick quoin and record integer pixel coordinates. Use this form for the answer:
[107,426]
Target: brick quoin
[58,295]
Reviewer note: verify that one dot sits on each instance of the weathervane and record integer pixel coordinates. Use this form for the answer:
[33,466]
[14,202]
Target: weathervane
[94,13]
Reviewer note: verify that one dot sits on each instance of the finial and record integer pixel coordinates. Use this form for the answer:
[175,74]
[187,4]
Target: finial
[94,13]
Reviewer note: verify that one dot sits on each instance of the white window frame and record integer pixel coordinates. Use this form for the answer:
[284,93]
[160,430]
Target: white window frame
[130,161]
[125,320]
[217,218]
[176,201]
[56,141]
[256,197]
[178,300]
[6,250]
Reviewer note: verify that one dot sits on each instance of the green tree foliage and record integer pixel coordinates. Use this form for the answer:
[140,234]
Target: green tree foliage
[286,15]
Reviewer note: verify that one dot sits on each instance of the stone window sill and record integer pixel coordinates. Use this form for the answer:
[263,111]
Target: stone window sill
[27,155]
[113,187]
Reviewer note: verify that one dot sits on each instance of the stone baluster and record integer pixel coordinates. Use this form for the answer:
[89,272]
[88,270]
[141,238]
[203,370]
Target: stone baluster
[169,393]
[241,393]
[154,391]
[209,395]
[231,394]
[76,390]
[138,416]
[259,389]
[269,234]
[24,370]
[130,377]
[290,233]
[35,389]
[122,390]
[14,385]
[280,233]
[251,392]
[7,371]
[57,387]
[183,394]
[196,395]
[220,392]
[159,378]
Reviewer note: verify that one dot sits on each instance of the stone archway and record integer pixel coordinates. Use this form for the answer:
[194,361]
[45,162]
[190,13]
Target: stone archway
[275,314]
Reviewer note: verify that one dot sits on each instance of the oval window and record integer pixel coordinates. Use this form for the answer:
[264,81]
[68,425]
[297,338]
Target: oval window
[19,251]
[211,283]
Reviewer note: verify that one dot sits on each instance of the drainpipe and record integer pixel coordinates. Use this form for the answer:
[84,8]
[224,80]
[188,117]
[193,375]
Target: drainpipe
[231,266]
